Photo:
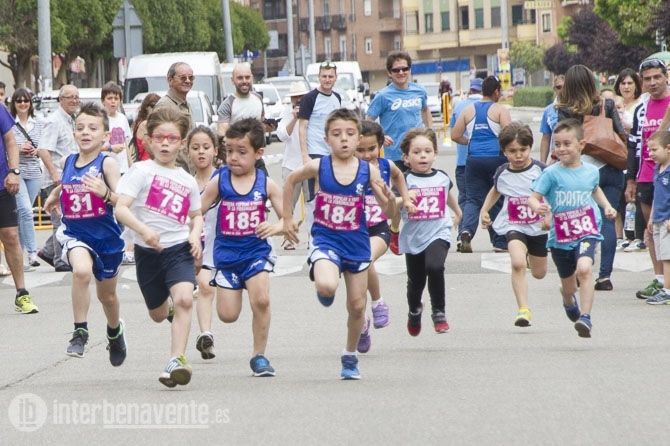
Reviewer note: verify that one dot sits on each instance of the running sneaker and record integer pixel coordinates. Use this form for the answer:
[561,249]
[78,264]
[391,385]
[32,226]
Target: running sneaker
[78,343]
[635,246]
[205,345]
[414,322]
[583,326]
[650,290]
[128,258]
[28,268]
[380,315]
[523,318]
[603,285]
[350,367]
[394,243]
[621,244]
[117,346]
[365,341]
[177,371]
[261,366]
[32,260]
[465,245]
[660,298]
[325,301]
[24,304]
[42,255]
[572,311]
[440,322]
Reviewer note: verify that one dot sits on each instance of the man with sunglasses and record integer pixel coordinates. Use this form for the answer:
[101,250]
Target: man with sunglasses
[400,106]
[549,121]
[180,81]
[647,119]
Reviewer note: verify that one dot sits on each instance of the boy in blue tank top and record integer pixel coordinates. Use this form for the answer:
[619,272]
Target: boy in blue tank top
[340,242]
[90,236]
[570,189]
[243,257]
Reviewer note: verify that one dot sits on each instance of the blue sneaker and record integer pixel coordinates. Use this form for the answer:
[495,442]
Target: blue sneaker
[365,341]
[583,326]
[350,367]
[325,301]
[572,311]
[660,298]
[261,366]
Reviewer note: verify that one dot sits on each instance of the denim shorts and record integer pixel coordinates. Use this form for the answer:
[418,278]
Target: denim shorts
[566,259]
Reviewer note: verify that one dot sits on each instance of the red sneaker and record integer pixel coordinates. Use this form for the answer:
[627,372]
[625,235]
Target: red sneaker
[414,323]
[393,244]
[440,322]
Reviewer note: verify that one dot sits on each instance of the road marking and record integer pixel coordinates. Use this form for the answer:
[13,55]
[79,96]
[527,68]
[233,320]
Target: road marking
[40,277]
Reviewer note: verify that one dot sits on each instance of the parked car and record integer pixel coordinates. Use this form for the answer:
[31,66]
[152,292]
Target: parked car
[273,106]
[46,102]
[434,99]
[202,111]
[283,84]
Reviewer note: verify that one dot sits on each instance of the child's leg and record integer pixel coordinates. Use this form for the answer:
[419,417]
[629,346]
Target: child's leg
[357,284]
[203,304]
[106,291]
[585,275]
[182,297]
[258,288]
[82,272]
[666,274]
[435,255]
[517,253]
[416,280]
[326,278]
[378,247]
[228,304]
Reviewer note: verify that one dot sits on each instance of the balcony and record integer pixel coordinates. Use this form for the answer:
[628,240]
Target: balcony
[388,24]
[323,23]
[340,22]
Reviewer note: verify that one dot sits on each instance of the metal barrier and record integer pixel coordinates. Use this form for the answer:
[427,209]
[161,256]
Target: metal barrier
[41,218]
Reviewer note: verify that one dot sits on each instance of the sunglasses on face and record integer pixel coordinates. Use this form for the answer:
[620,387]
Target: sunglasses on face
[652,63]
[22,101]
[397,70]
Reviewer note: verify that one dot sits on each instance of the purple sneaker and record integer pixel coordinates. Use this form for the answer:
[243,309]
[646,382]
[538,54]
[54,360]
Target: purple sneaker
[380,315]
[365,341]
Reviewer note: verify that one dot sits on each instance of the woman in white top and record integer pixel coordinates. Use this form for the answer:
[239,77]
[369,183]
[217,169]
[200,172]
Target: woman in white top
[629,87]
[27,133]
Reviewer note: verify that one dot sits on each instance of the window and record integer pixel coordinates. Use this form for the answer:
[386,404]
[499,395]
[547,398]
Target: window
[328,47]
[368,45]
[341,7]
[412,22]
[367,7]
[464,17]
[326,8]
[354,53]
[397,43]
[546,22]
[274,10]
[517,14]
[396,9]
[495,17]
[444,16]
[428,22]
[479,18]
[343,47]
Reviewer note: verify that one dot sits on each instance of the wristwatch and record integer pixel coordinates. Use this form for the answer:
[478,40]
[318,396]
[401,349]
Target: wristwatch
[15,171]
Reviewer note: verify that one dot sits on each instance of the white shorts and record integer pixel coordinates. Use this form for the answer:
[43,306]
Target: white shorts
[661,241]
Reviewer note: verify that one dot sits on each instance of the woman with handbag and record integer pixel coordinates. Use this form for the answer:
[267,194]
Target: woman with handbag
[580,99]
[27,132]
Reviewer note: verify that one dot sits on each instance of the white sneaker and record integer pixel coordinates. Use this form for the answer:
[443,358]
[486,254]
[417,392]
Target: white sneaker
[634,246]
[621,244]
[128,258]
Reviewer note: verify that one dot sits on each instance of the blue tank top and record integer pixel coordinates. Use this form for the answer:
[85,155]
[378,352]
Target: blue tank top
[238,217]
[483,141]
[85,215]
[376,218]
[339,214]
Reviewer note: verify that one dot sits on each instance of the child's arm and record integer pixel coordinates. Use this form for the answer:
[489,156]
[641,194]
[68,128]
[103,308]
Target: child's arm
[210,194]
[51,204]
[452,202]
[538,206]
[105,188]
[602,201]
[383,193]
[490,200]
[398,180]
[309,170]
[266,229]
[196,232]
[123,215]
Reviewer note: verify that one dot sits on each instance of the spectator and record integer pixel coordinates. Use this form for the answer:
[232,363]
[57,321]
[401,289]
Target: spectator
[119,130]
[244,102]
[139,142]
[549,120]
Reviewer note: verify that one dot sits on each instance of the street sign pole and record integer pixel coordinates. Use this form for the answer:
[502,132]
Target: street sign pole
[44,43]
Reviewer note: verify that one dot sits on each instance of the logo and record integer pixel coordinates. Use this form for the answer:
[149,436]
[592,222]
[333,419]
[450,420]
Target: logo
[405,103]
[27,412]
[257,196]
[359,189]
[584,246]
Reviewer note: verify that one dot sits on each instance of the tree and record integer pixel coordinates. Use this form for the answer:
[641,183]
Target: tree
[559,58]
[526,55]
[631,20]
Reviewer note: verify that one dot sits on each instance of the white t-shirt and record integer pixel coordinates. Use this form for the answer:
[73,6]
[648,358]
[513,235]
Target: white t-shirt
[163,199]
[119,133]
[292,153]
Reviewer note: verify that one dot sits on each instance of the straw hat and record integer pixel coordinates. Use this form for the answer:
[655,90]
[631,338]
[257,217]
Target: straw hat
[297,89]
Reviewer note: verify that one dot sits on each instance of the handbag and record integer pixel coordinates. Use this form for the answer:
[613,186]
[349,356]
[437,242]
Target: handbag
[602,142]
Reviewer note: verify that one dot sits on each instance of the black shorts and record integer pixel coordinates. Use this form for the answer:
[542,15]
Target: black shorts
[645,193]
[566,259]
[8,215]
[536,244]
[158,271]
[382,231]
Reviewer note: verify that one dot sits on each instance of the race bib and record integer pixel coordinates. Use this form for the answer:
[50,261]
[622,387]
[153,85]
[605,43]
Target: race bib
[78,202]
[239,218]
[117,136]
[373,212]
[573,225]
[430,204]
[169,198]
[338,212]
[519,212]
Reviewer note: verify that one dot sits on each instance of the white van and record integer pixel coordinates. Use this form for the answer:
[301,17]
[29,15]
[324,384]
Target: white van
[148,72]
[349,81]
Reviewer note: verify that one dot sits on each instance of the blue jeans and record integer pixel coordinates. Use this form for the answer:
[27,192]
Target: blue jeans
[479,173]
[612,184]
[25,197]
[460,184]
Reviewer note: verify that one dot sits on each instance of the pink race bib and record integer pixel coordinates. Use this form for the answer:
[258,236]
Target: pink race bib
[117,136]
[169,198]
[373,212]
[78,202]
[338,212]
[519,212]
[239,218]
[573,225]
[430,204]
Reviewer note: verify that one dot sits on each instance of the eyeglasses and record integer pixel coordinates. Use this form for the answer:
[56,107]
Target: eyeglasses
[652,63]
[158,138]
[22,101]
[184,78]
[70,98]
[397,70]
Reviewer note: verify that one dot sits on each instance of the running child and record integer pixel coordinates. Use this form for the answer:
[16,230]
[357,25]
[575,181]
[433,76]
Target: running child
[340,241]
[425,236]
[524,230]
[243,257]
[570,188]
[202,151]
[369,147]
[90,236]
[156,199]
[659,223]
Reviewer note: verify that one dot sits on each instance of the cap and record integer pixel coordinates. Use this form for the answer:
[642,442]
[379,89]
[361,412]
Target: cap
[476,84]
[297,89]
